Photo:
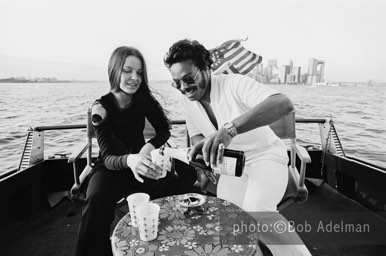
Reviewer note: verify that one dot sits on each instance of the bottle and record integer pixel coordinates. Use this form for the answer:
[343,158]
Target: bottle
[232,164]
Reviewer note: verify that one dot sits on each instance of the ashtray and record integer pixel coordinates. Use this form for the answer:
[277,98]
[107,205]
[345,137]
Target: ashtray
[191,200]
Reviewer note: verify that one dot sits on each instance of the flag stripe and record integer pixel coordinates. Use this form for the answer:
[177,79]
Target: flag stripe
[249,67]
[233,69]
[242,59]
[233,54]
[231,48]
[248,58]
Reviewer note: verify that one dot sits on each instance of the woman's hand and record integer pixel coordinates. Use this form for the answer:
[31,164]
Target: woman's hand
[142,165]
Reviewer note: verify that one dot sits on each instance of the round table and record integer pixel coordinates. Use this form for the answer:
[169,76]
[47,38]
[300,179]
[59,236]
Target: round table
[212,232]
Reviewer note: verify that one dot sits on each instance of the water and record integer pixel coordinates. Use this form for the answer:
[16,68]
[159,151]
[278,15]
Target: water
[358,114]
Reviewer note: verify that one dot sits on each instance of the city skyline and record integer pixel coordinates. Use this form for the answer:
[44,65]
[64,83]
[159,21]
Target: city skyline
[101,71]
[69,40]
[275,73]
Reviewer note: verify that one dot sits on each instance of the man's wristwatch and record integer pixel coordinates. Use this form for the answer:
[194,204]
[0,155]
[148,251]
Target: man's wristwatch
[230,127]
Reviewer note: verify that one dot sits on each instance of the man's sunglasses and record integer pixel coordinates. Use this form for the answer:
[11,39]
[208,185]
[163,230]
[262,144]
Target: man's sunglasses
[186,81]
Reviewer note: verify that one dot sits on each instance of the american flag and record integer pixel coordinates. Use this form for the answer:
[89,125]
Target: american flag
[232,57]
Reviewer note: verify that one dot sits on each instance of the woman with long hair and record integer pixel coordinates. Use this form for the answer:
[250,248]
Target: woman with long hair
[123,166]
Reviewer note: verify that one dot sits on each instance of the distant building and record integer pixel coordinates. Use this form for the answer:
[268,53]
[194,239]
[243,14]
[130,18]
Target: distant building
[275,75]
[261,68]
[296,74]
[257,72]
[271,72]
[286,74]
[272,63]
[315,71]
[285,71]
[303,78]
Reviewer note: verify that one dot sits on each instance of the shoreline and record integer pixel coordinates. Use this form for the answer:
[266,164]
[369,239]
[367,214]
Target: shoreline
[6,81]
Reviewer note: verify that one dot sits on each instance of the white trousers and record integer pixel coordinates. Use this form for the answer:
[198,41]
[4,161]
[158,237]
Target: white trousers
[260,189]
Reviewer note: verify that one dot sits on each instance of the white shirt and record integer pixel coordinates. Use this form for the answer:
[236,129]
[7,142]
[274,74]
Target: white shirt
[231,96]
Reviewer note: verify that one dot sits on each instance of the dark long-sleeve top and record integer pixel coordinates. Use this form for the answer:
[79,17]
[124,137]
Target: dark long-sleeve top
[120,131]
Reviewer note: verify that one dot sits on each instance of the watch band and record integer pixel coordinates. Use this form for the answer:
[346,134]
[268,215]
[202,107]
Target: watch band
[230,127]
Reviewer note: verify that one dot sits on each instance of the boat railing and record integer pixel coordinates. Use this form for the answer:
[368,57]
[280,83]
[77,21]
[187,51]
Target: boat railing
[84,126]
[172,122]
[33,151]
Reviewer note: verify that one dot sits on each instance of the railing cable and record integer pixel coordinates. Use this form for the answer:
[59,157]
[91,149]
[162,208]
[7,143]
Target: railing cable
[26,155]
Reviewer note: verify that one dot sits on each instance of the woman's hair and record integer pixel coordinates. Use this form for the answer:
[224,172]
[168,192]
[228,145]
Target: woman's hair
[115,68]
[143,95]
[187,49]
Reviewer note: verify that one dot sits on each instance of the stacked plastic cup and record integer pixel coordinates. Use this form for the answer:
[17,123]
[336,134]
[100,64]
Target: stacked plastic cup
[134,200]
[148,216]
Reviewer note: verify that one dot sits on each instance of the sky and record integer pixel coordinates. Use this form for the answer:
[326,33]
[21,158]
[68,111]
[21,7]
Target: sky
[74,39]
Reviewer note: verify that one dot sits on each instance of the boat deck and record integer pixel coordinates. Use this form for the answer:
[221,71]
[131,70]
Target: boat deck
[324,206]
[55,232]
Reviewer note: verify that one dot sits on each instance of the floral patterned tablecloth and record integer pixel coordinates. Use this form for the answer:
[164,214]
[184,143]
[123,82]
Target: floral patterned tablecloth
[209,233]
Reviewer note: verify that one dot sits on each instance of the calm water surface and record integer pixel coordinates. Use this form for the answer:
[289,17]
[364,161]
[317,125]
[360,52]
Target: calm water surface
[358,114]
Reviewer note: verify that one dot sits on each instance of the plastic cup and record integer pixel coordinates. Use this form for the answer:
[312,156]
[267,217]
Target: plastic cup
[148,216]
[134,200]
[162,161]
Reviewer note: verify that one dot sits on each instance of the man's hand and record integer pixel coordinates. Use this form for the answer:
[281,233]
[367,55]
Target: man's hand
[212,147]
[142,165]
